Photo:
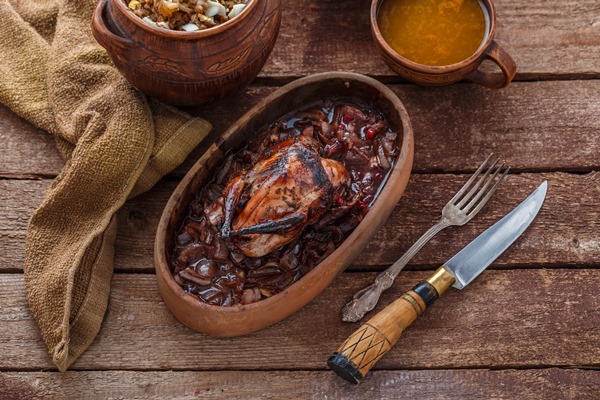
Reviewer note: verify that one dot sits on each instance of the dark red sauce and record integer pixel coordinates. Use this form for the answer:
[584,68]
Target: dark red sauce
[212,269]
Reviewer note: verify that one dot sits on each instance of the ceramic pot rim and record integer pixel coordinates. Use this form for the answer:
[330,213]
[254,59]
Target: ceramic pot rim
[183,35]
[432,69]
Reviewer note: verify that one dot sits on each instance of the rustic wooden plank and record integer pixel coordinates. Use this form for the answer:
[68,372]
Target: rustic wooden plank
[531,125]
[18,200]
[537,126]
[25,150]
[551,383]
[560,40]
[564,234]
[505,319]
[557,234]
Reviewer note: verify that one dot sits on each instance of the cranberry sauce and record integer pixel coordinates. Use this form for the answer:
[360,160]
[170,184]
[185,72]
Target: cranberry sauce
[211,268]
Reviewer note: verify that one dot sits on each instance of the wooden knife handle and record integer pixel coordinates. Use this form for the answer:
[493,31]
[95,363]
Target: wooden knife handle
[357,355]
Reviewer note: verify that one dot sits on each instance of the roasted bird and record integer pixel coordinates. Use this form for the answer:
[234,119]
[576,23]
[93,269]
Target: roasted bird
[267,206]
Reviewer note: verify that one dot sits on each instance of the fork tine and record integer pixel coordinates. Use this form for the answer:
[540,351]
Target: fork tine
[477,185]
[483,189]
[490,193]
[471,180]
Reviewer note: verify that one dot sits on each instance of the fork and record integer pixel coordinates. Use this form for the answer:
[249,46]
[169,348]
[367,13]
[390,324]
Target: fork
[457,212]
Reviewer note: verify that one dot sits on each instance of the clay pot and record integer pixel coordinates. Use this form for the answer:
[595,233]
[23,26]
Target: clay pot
[188,68]
[243,319]
[443,75]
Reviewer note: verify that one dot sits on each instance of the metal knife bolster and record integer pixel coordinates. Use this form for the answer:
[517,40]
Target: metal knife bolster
[441,280]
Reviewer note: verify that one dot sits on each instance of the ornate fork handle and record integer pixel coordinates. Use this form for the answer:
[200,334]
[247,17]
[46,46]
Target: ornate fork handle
[366,299]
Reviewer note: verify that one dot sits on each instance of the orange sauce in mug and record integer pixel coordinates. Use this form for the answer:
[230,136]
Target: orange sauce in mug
[433,32]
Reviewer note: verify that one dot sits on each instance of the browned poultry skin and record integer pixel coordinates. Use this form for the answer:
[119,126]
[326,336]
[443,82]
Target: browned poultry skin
[288,189]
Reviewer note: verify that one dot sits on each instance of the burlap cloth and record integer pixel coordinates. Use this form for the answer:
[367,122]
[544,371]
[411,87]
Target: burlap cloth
[115,143]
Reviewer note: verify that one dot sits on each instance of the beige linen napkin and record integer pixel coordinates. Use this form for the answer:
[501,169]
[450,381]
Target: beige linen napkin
[115,143]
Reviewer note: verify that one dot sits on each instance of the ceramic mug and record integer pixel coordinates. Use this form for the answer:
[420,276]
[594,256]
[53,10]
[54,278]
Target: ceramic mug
[465,69]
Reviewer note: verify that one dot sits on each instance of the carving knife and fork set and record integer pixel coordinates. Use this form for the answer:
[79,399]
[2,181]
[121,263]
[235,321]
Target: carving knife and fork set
[359,353]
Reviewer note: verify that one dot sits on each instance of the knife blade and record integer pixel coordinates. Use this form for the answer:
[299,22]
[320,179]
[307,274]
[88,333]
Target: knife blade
[357,355]
[468,263]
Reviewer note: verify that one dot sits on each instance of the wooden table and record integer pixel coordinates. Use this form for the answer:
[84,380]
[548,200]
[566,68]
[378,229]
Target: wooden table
[529,327]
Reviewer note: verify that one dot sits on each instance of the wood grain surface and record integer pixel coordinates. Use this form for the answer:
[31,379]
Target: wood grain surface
[455,128]
[302,385]
[504,319]
[526,329]
[564,234]
[547,41]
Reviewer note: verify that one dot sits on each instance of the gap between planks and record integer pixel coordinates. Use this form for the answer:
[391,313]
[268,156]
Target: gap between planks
[513,171]
[275,81]
[482,368]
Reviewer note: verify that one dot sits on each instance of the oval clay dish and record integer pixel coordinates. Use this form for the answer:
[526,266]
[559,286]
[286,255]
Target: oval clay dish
[243,319]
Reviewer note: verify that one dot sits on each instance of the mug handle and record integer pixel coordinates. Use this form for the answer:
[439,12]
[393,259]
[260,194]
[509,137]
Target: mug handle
[105,37]
[506,63]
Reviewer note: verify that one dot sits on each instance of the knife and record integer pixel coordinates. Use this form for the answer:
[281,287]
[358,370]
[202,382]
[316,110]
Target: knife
[357,355]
